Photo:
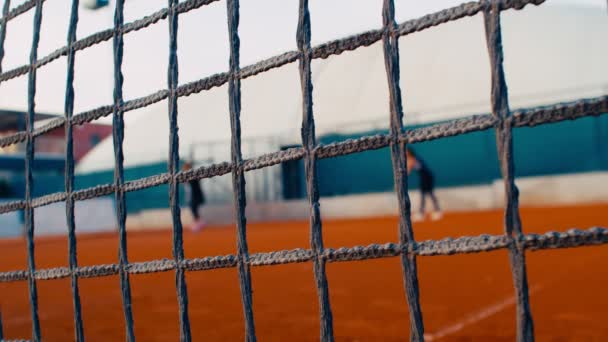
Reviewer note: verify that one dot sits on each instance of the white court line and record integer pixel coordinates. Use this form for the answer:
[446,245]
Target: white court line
[21,319]
[475,317]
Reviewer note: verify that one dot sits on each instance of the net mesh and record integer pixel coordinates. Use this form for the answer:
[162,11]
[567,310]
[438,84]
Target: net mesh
[502,119]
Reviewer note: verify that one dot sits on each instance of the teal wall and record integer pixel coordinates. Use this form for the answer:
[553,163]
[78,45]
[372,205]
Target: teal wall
[469,159]
[150,198]
[155,197]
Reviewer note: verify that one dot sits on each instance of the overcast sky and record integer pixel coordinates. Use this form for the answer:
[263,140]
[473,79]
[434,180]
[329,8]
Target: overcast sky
[267,28]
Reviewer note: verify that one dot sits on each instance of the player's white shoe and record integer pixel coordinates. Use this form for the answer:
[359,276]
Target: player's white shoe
[417,217]
[198,225]
[436,215]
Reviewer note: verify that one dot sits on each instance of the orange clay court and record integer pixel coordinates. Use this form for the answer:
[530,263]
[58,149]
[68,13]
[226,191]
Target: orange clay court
[463,297]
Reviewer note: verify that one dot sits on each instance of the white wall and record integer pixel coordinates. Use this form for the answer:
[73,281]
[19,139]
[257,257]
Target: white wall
[96,215]
[93,215]
[99,214]
[564,189]
[10,223]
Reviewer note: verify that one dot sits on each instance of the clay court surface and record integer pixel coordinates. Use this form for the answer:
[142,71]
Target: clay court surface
[463,297]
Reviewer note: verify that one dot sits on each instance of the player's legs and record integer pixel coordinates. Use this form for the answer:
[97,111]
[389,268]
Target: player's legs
[197,223]
[419,216]
[436,214]
[194,210]
[435,202]
[428,186]
[201,220]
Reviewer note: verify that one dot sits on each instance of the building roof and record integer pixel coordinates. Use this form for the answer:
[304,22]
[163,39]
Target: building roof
[552,54]
[12,120]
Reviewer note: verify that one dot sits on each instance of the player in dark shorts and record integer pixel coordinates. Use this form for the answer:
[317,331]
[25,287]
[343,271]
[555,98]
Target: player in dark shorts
[197,199]
[427,185]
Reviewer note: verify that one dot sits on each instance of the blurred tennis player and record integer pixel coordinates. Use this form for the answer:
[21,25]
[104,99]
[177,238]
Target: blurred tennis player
[427,185]
[196,198]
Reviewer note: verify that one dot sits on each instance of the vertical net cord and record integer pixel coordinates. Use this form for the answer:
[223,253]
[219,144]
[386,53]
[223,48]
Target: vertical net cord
[504,142]
[406,233]
[1,329]
[309,142]
[5,11]
[178,242]
[29,166]
[238,177]
[118,136]
[69,174]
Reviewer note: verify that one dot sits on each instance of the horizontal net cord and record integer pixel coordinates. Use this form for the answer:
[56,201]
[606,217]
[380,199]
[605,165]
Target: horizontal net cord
[19,10]
[520,118]
[337,47]
[324,50]
[105,35]
[538,116]
[447,246]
